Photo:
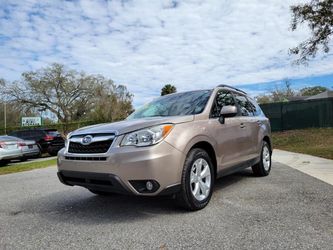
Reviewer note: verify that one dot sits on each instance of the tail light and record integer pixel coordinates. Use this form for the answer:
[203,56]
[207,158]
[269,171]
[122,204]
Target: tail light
[2,145]
[48,137]
[21,144]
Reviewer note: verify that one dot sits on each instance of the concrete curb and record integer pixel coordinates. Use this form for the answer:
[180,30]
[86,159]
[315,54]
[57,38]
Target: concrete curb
[317,167]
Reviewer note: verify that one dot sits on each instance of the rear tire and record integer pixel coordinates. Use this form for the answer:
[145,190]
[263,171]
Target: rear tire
[197,181]
[102,193]
[4,162]
[53,152]
[23,159]
[39,155]
[265,164]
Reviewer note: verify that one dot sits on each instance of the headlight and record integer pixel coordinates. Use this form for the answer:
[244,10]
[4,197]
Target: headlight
[147,137]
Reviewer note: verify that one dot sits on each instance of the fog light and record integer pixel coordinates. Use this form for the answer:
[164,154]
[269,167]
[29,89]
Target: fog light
[145,186]
[149,185]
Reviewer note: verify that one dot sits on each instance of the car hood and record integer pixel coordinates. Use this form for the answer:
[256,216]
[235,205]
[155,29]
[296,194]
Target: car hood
[127,126]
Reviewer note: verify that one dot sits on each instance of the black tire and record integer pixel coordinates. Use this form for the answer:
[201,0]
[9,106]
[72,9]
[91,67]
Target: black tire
[39,154]
[4,162]
[259,169]
[103,193]
[185,197]
[53,152]
[24,158]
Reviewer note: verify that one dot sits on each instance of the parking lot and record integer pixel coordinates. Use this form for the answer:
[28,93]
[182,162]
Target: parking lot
[287,209]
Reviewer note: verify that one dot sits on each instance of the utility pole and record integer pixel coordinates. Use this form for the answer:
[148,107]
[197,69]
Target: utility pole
[5,116]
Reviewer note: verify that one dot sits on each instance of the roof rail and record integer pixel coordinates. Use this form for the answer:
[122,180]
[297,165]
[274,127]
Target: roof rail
[231,87]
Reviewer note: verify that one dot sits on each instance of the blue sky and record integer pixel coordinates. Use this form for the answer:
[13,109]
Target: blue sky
[145,44]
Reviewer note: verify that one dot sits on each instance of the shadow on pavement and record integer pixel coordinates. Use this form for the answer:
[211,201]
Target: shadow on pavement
[79,206]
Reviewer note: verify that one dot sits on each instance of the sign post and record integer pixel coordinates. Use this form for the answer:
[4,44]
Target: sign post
[5,116]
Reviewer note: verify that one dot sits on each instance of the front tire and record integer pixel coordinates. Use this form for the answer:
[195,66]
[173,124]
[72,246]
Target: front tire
[265,164]
[197,180]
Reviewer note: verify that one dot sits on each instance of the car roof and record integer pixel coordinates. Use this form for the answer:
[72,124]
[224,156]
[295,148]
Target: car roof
[36,129]
[9,138]
[224,86]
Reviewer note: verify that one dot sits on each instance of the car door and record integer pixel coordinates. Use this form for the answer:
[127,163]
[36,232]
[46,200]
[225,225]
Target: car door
[248,125]
[257,127]
[229,135]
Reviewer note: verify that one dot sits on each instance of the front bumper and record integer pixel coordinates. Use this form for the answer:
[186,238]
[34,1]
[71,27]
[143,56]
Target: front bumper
[115,170]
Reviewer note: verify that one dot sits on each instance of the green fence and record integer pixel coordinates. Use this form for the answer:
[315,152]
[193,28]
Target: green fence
[300,114]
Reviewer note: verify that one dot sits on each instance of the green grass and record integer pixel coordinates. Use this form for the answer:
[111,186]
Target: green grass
[314,141]
[27,166]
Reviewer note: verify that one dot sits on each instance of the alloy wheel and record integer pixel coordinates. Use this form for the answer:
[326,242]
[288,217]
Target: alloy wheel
[200,179]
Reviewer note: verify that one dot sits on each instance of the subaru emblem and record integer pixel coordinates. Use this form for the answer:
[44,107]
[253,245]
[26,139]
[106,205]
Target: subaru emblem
[87,140]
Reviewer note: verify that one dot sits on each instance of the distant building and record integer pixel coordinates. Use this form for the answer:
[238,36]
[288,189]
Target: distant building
[297,98]
[326,94]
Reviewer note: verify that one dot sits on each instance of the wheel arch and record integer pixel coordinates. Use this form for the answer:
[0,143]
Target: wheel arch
[268,140]
[205,145]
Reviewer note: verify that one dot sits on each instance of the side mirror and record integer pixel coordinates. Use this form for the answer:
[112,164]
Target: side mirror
[227,111]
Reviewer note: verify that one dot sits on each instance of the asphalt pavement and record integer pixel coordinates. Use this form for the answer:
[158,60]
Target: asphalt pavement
[286,210]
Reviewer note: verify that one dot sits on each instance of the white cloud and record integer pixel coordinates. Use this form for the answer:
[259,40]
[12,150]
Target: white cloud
[145,44]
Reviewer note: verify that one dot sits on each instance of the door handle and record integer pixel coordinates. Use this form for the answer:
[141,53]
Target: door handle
[242,125]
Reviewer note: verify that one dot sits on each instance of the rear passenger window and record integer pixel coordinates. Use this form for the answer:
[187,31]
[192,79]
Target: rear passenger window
[246,107]
[22,134]
[223,98]
[37,134]
[13,134]
[257,109]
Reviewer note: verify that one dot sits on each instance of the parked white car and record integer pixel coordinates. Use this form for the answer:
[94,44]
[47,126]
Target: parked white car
[29,149]
[9,149]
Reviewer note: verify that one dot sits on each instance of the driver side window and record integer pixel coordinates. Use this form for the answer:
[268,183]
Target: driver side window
[223,98]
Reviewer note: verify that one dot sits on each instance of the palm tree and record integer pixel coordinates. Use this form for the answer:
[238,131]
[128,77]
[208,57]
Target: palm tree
[168,89]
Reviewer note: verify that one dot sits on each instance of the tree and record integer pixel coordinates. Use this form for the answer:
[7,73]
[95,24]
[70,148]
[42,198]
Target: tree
[14,111]
[318,14]
[283,94]
[263,99]
[68,94]
[310,91]
[168,89]
[56,89]
[111,103]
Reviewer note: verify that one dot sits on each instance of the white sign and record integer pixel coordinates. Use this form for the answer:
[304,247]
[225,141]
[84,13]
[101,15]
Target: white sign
[31,121]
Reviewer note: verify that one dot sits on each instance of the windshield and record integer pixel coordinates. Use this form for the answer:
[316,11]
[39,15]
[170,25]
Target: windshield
[187,103]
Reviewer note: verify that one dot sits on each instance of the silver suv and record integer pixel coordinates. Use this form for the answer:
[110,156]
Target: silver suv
[177,144]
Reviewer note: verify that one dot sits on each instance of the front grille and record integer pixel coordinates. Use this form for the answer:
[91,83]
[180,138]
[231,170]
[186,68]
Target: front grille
[93,148]
[84,158]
